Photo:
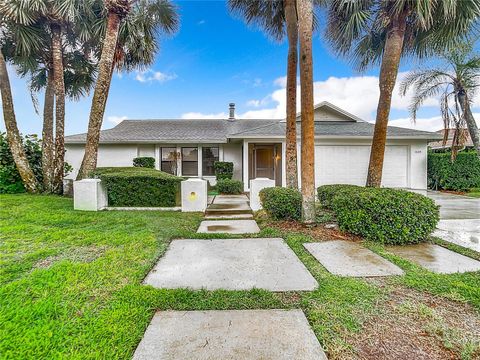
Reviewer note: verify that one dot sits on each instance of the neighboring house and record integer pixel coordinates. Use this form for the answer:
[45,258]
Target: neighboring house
[257,148]
[439,145]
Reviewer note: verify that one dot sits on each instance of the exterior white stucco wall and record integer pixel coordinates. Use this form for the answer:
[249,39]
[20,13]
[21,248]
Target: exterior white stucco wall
[233,153]
[108,155]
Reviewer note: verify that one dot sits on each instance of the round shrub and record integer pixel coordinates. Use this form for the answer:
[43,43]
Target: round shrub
[282,203]
[326,193]
[229,186]
[387,216]
[223,170]
[146,162]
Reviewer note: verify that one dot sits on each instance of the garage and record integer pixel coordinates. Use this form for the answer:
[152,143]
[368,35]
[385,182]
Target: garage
[348,164]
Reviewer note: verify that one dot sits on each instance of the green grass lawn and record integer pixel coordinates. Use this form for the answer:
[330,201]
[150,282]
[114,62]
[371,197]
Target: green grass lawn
[70,282]
[474,193]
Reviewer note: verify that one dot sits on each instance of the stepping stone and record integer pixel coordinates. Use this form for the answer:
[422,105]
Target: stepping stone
[228,227]
[230,199]
[232,334]
[232,216]
[346,258]
[461,232]
[436,258]
[236,206]
[232,264]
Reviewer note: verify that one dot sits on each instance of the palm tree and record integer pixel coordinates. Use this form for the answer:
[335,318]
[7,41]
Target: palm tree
[79,75]
[54,18]
[130,41]
[26,39]
[456,83]
[277,19]
[305,20]
[384,31]
[13,135]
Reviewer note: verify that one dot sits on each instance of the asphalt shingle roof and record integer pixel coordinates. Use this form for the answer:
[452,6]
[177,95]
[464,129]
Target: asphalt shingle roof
[220,130]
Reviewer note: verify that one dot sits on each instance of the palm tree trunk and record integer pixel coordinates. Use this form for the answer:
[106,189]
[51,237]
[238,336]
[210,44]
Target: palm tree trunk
[100,96]
[470,120]
[305,21]
[13,135]
[59,86]
[291,128]
[47,135]
[388,76]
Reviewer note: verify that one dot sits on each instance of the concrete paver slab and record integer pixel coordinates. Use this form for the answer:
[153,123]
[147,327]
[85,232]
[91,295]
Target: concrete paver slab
[228,227]
[346,258]
[461,232]
[235,206]
[233,264]
[229,216]
[436,258]
[230,199]
[232,334]
[456,206]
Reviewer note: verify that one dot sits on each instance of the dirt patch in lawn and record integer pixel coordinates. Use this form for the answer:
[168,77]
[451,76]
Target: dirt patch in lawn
[321,232]
[415,325]
[77,254]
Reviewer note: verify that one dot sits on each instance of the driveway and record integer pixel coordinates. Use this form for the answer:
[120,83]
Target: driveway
[459,219]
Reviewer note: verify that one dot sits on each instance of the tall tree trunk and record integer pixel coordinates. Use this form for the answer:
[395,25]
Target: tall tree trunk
[13,135]
[100,96]
[305,21]
[59,86]
[388,76]
[47,135]
[291,128]
[470,120]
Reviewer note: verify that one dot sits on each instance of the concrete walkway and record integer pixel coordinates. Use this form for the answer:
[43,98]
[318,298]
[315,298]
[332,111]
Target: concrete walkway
[231,264]
[459,219]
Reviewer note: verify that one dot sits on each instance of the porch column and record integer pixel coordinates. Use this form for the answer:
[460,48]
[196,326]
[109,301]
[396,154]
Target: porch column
[200,162]
[245,166]
[157,157]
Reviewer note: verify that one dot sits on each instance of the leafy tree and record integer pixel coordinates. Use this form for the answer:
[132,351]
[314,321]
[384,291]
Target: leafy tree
[130,41]
[456,81]
[384,31]
[10,179]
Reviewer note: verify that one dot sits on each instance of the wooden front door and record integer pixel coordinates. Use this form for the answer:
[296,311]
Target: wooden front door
[266,162]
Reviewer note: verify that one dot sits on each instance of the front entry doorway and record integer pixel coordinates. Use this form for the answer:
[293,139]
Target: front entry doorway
[265,161]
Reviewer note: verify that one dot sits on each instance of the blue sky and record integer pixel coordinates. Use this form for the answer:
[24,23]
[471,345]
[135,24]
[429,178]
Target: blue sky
[216,59]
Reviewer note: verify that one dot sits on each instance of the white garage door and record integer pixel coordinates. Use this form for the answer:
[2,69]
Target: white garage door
[349,165]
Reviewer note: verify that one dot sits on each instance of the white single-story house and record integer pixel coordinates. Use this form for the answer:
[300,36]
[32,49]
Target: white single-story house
[256,147]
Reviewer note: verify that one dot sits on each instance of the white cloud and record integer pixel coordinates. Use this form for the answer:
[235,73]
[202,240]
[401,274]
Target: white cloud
[433,123]
[356,94]
[151,75]
[116,119]
[201,22]
[197,115]
[280,82]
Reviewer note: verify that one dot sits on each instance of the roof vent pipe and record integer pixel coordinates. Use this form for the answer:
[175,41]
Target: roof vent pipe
[232,111]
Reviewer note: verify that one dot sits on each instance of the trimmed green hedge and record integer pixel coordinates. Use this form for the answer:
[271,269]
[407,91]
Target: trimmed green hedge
[145,161]
[223,170]
[461,175]
[229,186]
[139,187]
[282,203]
[388,216]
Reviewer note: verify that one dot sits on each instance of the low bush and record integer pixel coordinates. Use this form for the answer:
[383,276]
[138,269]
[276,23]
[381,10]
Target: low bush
[282,203]
[223,170]
[10,180]
[326,193]
[146,162]
[229,186]
[388,216]
[460,175]
[141,187]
